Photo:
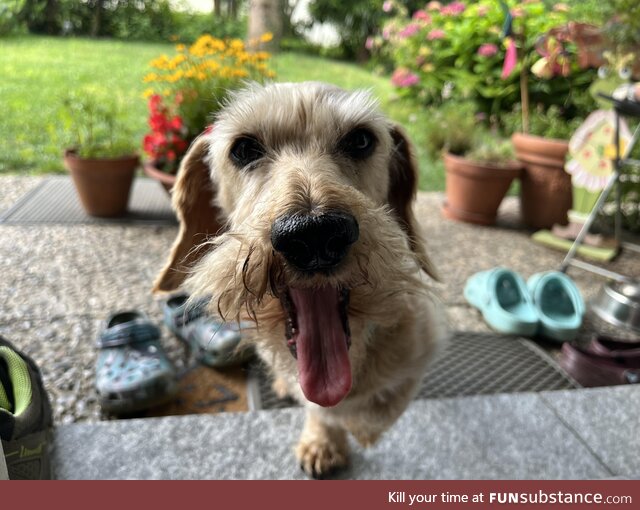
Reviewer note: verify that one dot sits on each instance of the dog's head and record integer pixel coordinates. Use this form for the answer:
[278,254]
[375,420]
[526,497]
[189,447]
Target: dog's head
[296,210]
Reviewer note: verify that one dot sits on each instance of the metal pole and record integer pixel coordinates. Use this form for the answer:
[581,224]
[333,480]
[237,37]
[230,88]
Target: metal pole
[590,219]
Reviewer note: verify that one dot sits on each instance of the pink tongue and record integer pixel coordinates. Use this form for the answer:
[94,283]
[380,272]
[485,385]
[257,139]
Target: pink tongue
[324,370]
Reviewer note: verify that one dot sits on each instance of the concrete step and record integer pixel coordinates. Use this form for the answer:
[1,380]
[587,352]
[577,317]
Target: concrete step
[574,434]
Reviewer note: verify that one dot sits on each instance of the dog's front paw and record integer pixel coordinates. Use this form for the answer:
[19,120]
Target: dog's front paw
[321,458]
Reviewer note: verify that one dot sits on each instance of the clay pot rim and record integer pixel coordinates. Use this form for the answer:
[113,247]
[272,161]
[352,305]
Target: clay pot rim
[526,137]
[150,168]
[72,153]
[513,165]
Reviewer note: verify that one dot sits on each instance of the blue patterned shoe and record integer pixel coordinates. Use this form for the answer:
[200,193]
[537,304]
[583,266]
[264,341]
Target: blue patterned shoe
[212,341]
[133,372]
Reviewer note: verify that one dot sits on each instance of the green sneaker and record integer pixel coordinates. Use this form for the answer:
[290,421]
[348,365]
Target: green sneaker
[25,417]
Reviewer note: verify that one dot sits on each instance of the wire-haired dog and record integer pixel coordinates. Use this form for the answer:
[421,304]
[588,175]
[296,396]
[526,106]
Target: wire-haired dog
[313,237]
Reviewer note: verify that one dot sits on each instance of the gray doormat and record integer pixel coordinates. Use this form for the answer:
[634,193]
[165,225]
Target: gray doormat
[55,201]
[469,364]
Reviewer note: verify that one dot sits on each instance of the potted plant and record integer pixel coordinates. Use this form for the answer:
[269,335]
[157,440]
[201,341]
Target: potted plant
[545,191]
[541,144]
[479,165]
[100,151]
[185,91]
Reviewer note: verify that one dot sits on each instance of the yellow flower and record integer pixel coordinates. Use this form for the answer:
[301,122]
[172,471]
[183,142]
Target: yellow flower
[177,60]
[239,73]
[266,37]
[236,44]
[148,93]
[262,55]
[151,77]
[180,47]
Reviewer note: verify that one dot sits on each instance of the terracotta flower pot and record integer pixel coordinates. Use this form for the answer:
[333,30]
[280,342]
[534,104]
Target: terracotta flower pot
[474,191]
[545,194]
[167,180]
[103,184]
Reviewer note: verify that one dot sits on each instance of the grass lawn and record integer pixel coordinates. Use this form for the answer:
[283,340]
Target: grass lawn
[37,72]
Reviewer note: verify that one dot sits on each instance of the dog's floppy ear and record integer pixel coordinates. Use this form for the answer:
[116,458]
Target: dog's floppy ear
[403,186]
[192,199]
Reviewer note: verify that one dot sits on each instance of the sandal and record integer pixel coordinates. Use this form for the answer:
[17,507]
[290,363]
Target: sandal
[502,297]
[592,369]
[212,341]
[133,372]
[559,305]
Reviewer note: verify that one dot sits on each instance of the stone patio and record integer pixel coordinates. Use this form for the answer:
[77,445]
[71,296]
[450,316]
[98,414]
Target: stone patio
[61,281]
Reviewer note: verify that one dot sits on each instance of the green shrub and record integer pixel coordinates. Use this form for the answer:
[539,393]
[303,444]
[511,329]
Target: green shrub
[354,21]
[91,122]
[456,128]
[457,52]
[9,20]
[551,123]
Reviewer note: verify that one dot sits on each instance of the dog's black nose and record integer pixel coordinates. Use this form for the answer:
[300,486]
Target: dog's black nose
[314,243]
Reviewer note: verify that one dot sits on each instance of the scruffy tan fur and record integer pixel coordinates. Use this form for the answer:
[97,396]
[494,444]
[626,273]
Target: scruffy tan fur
[226,251]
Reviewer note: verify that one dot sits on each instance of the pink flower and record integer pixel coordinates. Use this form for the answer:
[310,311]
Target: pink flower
[368,44]
[409,30]
[487,50]
[422,16]
[483,10]
[387,6]
[436,34]
[403,78]
[434,6]
[510,59]
[453,9]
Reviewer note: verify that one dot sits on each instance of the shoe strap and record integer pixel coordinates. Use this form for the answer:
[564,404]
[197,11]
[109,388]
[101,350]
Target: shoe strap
[4,472]
[182,315]
[135,331]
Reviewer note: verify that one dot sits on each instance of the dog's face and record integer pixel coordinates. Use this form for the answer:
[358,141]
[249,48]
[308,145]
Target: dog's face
[312,234]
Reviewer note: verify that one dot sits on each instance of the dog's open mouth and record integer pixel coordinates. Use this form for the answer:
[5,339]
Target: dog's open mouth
[318,336]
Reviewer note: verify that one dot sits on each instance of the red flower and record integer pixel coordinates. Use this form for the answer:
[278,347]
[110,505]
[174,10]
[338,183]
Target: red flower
[157,122]
[176,123]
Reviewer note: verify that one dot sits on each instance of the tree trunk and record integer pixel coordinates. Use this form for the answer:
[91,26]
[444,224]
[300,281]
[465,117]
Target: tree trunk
[233,9]
[96,22]
[266,16]
[217,8]
[50,13]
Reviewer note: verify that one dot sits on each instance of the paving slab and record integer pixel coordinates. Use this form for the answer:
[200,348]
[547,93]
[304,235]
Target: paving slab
[489,437]
[606,420]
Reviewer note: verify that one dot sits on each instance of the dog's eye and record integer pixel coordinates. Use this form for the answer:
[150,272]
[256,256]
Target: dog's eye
[246,150]
[358,144]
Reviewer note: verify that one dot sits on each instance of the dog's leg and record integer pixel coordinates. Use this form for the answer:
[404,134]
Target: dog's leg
[380,413]
[322,448]
[280,387]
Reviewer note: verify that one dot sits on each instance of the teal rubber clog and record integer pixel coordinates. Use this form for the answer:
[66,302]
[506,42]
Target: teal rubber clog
[502,297]
[559,305]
